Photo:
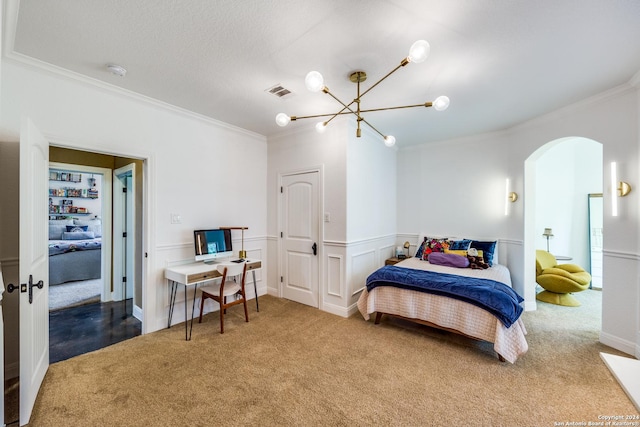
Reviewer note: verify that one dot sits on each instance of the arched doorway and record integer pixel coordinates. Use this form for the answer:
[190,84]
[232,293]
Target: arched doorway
[559,176]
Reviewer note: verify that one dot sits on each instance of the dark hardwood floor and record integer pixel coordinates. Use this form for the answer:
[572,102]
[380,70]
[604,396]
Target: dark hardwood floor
[78,330]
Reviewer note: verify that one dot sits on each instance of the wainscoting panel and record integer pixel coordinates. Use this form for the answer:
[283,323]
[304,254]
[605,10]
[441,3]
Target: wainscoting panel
[335,283]
[362,265]
[386,252]
[620,301]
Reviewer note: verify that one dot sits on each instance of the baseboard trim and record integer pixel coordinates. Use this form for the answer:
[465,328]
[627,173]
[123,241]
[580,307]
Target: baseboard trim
[530,306]
[11,370]
[613,341]
[137,312]
[335,309]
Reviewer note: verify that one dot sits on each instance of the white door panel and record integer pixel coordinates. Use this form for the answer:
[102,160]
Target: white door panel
[34,266]
[300,235]
[300,268]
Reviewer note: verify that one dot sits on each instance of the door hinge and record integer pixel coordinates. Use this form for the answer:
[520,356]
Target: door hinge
[124,279]
[281,189]
[281,279]
[281,234]
[124,189]
[124,234]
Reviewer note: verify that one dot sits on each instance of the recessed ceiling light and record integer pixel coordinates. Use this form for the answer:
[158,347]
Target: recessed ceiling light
[117,70]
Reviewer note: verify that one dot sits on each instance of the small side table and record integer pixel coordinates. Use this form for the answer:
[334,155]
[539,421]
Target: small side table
[392,261]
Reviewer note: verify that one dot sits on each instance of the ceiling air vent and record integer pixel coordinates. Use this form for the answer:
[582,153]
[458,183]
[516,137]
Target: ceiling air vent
[279,91]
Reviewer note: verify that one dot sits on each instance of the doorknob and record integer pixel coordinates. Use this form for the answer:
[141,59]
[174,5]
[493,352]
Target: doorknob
[40,285]
[11,287]
[315,248]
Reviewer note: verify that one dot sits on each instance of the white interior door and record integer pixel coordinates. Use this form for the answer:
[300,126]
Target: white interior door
[34,266]
[300,238]
[124,231]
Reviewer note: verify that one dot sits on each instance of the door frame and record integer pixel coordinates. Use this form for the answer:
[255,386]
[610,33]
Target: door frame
[129,218]
[280,215]
[148,197]
[106,220]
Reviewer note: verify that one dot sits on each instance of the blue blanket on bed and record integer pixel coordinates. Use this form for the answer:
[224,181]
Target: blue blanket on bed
[495,297]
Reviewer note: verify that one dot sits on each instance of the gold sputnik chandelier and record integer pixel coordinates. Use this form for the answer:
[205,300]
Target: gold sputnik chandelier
[315,83]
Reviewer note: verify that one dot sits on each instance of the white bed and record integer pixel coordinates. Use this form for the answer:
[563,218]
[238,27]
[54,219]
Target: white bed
[448,313]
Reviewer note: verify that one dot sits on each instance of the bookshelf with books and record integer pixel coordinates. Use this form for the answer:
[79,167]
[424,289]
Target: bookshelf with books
[74,194]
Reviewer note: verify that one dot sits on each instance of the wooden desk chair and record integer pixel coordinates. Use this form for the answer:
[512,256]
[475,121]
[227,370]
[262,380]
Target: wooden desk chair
[226,288]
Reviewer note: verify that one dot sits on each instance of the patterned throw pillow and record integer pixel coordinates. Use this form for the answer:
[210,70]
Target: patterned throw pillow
[434,245]
[420,250]
[459,244]
[76,228]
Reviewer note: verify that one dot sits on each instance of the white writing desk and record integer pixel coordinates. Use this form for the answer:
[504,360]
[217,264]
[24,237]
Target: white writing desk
[192,274]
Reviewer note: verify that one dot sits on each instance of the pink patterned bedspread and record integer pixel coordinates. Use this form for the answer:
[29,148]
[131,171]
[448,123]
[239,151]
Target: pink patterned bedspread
[449,313]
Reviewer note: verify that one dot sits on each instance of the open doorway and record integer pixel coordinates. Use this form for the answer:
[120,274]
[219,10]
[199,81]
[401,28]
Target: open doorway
[79,235]
[559,179]
[111,317]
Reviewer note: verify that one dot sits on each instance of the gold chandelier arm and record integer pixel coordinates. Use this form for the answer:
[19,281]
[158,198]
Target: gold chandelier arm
[346,107]
[293,118]
[371,126]
[402,64]
[426,104]
[342,112]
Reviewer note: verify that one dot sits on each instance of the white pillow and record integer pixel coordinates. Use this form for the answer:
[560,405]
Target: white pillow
[94,225]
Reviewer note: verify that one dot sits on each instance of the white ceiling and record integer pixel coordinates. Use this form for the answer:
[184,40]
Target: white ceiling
[501,62]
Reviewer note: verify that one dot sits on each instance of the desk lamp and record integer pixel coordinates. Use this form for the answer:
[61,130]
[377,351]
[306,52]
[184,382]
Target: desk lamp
[242,254]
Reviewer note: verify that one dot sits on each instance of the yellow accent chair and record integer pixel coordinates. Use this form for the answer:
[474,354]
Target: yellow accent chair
[559,280]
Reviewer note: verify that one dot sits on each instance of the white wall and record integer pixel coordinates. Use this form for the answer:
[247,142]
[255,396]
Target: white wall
[457,188]
[371,208]
[359,181]
[371,185]
[209,173]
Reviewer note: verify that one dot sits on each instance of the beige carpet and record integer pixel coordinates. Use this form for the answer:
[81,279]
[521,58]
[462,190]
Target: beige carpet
[295,365]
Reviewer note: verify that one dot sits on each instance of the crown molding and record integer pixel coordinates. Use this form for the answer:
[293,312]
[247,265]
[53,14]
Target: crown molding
[576,106]
[41,66]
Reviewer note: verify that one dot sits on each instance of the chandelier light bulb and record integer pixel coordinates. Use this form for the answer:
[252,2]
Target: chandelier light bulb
[314,81]
[321,127]
[441,103]
[282,119]
[389,140]
[419,51]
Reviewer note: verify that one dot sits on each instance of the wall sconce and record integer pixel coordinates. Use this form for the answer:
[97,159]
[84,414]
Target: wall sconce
[618,189]
[547,233]
[510,196]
